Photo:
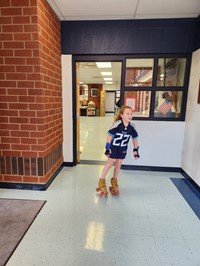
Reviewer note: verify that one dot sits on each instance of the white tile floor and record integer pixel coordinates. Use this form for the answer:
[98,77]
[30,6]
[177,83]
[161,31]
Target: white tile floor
[149,224]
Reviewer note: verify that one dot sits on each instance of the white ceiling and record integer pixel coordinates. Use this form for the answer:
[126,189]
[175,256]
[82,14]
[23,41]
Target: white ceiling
[89,73]
[70,10]
[124,9]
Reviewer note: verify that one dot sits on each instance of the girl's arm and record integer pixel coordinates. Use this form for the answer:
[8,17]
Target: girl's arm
[109,139]
[135,148]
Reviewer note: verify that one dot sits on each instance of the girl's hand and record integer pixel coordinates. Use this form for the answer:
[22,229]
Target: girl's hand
[108,153]
[136,153]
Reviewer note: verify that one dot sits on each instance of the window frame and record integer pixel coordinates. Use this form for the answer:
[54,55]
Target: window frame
[154,88]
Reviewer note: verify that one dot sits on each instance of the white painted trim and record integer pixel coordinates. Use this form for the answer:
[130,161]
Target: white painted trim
[67,107]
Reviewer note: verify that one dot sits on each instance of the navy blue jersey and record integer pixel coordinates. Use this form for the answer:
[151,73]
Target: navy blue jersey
[120,138]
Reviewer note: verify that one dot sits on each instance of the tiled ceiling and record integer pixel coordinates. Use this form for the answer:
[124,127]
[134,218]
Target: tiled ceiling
[124,9]
[89,73]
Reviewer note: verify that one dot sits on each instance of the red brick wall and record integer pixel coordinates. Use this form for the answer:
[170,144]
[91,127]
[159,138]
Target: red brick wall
[30,91]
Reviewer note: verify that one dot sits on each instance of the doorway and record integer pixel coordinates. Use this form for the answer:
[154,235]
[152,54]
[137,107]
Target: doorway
[98,86]
[110,102]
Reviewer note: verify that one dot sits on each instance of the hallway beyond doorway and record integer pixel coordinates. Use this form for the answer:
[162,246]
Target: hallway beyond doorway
[93,134]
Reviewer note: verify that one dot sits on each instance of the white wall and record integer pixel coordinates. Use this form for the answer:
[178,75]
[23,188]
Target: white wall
[67,108]
[110,101]
[191,150]
[160,144]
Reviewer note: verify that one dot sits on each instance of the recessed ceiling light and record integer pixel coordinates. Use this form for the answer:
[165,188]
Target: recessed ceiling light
[109,82]
[107,78]
[103,64]
[106,73]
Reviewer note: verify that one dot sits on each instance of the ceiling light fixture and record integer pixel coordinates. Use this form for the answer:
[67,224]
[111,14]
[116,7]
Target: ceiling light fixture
[106,73]
[108,79]
[109,82]
[103,64]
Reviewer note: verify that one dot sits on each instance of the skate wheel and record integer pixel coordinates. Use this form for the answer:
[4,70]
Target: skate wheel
[97,189]
[110,188]
[114,193]
[101,194]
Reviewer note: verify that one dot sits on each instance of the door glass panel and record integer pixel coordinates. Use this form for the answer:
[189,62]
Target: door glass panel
[139,101]
[139,72]
[100,88]
[168,104]
[171,72]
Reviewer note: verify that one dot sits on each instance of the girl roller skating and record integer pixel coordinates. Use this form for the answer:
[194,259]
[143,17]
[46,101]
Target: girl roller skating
[116,148]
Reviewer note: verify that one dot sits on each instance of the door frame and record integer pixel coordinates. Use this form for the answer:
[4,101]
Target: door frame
[89,58]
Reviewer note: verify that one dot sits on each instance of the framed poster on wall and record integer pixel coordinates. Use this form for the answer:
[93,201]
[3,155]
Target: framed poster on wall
[131,101]
[94,92]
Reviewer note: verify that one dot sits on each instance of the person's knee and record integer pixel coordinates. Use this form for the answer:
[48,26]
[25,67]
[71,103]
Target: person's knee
[110,164]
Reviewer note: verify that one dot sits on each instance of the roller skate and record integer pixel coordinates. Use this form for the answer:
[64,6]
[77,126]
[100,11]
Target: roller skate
[114,187]
[102,188]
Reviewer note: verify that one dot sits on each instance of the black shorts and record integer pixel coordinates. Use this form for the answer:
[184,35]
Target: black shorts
[117,153]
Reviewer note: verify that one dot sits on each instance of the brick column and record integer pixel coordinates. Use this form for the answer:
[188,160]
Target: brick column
[30,92]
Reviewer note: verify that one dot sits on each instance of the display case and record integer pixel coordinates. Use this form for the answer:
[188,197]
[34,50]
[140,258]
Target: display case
[91,111]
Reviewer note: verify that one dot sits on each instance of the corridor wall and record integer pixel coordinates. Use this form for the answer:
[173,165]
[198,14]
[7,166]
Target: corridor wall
[191,146]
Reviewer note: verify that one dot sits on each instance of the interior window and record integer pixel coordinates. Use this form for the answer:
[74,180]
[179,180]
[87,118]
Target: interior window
[139,101]
[168,104]
[139,72]
[171,72]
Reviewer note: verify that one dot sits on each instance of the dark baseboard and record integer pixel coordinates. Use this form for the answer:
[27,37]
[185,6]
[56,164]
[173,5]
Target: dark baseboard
[27,186]
[151,168]
[68,164]
[190,179]
[136,167]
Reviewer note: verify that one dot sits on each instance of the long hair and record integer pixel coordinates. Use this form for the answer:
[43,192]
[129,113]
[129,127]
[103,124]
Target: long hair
[120,112]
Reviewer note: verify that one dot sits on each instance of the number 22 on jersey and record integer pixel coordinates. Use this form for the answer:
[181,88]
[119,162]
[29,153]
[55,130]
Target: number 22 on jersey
[121,140]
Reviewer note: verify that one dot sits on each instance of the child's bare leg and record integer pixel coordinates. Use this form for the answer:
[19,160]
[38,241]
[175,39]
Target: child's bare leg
[114,184]
[107,167]
[117,168]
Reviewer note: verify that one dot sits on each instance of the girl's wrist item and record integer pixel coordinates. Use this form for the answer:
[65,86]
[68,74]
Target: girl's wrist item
[137,153]
[107,146]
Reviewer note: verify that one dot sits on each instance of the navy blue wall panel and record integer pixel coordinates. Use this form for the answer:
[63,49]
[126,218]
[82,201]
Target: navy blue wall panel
[156,40]
[114,37]
[130,36]
[174,39]
[93,39]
